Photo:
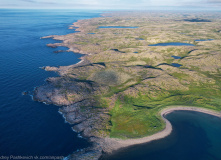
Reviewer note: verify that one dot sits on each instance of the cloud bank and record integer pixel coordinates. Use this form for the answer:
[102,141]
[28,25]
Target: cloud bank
[109,4]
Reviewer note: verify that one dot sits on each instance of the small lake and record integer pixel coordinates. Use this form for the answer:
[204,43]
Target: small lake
[91,33]
[198,40]
[197,20]
[117,50]
[176,65]
[117,27]
[195,136]
[176,57]
[172,44]
[139,39]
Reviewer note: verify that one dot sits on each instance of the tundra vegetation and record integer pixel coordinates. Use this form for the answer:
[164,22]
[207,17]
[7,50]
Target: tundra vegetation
[123,82]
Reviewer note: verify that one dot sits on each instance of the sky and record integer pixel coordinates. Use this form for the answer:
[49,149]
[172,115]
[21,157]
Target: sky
[111,4]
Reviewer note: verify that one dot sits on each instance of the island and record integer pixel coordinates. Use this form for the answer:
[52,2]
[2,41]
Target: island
[136,67]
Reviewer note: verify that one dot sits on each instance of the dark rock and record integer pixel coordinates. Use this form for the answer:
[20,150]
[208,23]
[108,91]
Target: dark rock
[25,93]
[59,51]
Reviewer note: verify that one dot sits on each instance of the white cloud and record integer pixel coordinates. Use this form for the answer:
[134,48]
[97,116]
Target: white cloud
[214,1]
[108,4]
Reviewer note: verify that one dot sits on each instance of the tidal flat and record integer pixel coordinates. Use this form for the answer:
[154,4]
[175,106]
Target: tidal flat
[122,83]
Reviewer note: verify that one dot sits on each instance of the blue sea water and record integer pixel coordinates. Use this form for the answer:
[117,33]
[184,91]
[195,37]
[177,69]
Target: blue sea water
[28,127]
[195,136]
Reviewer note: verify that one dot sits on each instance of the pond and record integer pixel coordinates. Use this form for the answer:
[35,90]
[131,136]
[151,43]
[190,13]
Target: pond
[176,57]
[172,44]
[139,39]
[198,40]
[197,20]
[176,65]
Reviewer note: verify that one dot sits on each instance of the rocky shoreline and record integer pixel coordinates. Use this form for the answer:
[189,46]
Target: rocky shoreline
[88,118]
[81,112]
[80,89]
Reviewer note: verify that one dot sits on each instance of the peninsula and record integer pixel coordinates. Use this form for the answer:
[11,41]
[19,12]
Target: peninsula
[135,65]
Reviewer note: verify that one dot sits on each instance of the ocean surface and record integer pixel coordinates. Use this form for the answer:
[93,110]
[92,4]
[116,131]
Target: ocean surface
[195,136]
[29,128]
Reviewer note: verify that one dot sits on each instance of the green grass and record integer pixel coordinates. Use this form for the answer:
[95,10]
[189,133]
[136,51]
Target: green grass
[120,88]
[100,102]
[169,60]
[180,75]
[148,61]
[134,117]
[130,121]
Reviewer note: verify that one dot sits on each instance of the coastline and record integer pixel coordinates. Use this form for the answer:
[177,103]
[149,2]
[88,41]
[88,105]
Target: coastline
[115,144]
[73,114]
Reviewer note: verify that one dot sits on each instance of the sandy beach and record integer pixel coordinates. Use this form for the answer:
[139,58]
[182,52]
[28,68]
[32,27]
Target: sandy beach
[112,144]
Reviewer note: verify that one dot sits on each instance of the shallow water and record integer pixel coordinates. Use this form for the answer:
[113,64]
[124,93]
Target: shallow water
[28,127]
[172,44]
[195,136]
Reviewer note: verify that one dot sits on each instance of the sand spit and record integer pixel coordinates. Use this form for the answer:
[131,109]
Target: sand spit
[112,144]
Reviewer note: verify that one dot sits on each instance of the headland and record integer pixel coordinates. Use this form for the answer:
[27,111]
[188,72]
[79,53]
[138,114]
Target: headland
[117,95]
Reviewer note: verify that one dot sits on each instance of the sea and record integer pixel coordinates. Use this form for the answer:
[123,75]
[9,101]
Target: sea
[29,128]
